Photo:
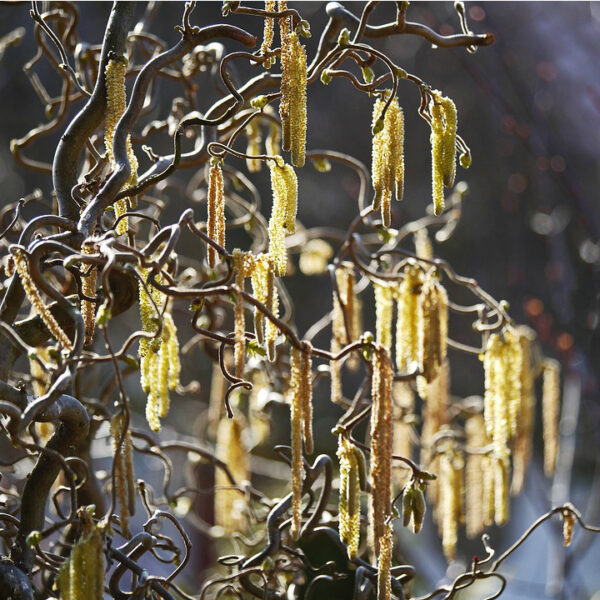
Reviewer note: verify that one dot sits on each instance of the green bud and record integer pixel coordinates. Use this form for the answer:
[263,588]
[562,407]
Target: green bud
[321,164]
[344,37]
[418,508]
[34,538]
[378,126]
[325,77]
[407,504]
[103,315]
[465,160]
[303,29]
[400,72]
[368,74]
[259,101]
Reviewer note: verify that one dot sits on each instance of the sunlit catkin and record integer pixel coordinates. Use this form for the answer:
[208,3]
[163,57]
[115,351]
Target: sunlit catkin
[524,438]
[82,576]
[284,185]
[474,474]
[21,263]
[381,445]
[88,288]
[259,277]
[423,247]
[502,363]
[268,32]
[306,397]
[432,325]
[384,308]
[296,428]
[501,466]
[349,502]
[387,161]
[229,501]
[404,406]
[450,484]
[384,564]
[115,107]
[124,477]
[243,265]
[253,135]
[449,156]
[437,153]
[292,108]
[215,223]
[550,413]
[271,330]
[407,315]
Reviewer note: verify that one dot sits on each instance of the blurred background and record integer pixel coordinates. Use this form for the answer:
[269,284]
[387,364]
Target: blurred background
[529,109]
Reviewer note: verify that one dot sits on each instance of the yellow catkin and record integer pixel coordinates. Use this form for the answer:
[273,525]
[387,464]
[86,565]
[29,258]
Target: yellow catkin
[384,308]
[488,490]
[124,472]
[296,429]
[159,356]
[437,153]
[253,149]
[82,576]
[292,108]
[34,296]
[215,223]
[273,141]
[243,265]
[423,247]
[268,31]
[271,330]
[432,326]
[349,501]
[259,277]
[501,466]
[407,324]
[435,415]
[451,469]
[115,107]
[502,399]
[550,413]
[522,446]
[283,213]
[387,163]
[384,564]
[343,312]
[306,397]
[568,524]
[449,157]
[381,445]
[229,502]
[476,439]
[88,288]
[404,405]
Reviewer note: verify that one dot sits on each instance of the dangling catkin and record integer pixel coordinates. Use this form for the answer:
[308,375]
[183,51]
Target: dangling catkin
[407,324]
[81,577]
[284,185]
[306,397]
[502,363]
[443,147]
[349,504]
[423,247]
[387,165]
[384,308]
[268,32]
[253,149]
[215,223]
[259,277]
[229,502]
[271,330]
[243,265]
[474,474]
[124,474]
[550,407]
[450,490]
[432,326]
[404,405]
[524,438]
[88,288]
[292,108]
[296,428]
[381,445]
[33,295]
[384,564]
[501,465]
[115,107]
